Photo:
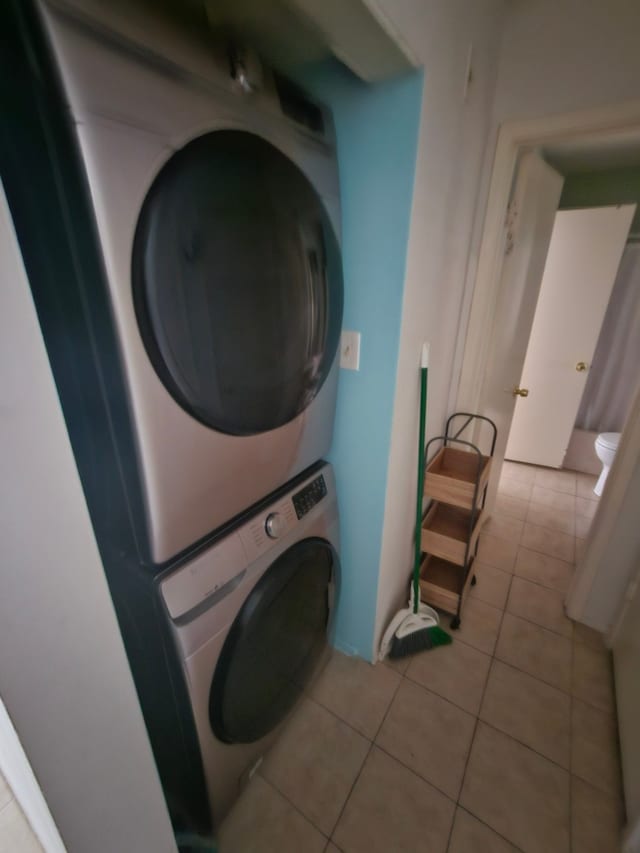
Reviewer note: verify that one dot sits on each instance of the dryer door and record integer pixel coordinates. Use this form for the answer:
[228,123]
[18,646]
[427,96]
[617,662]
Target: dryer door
[274,644]
[237,283]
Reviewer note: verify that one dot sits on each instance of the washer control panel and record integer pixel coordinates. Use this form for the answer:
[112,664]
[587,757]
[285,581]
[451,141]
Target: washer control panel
[258,535]
[213,569]
[275,524]
[309,496]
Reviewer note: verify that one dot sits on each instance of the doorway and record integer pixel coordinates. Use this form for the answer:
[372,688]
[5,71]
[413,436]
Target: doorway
[488,380]
[581,269]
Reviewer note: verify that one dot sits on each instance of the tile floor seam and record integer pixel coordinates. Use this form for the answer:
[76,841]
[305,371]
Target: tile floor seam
[583,515]
[524,619]
[350,792]
[605,793]
[548,683]
[400,761]
[612,714]
[464,642]
[475,728]
[338,717]
[419,775]
[528,548]
[372,743]
[537,624]
[537,582]
[549,527]
[545,553]
[439,695]
[466,765]
[294,806]
[543,586]
[526,745]
[537,677]
[511,515]
[533,483]
[547,506]
[570,563]
[391,701]
[494,831]
[517,540]
[492,606]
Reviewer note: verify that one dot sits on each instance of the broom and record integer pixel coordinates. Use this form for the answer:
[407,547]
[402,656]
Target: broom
[416,628]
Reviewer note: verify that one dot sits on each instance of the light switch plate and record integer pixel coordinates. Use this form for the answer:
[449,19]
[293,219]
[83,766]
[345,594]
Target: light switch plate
[350,350]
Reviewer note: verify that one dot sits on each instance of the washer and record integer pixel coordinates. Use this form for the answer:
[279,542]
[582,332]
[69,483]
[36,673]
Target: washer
[217,213]
[250,618]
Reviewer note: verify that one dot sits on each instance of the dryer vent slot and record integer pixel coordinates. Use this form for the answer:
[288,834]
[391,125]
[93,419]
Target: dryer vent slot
[296,105]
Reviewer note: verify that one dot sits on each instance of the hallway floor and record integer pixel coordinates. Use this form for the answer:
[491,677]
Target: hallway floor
[504,741]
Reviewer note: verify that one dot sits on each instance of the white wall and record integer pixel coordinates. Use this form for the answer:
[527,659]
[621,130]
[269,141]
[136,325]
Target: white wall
[559,57]
[449,182]
[550,57]
[64,676]
[564,55]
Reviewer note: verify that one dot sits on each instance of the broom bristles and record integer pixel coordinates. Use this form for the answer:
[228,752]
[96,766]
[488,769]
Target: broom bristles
[419,641]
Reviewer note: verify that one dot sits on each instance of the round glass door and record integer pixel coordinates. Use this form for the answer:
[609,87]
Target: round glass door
[237,283]
[274,644]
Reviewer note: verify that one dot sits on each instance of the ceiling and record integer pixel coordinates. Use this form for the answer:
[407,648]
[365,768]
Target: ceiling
[595,154]
[288,34]
[291,33]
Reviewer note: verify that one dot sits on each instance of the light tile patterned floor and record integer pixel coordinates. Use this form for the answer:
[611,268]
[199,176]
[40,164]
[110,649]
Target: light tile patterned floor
[504,741]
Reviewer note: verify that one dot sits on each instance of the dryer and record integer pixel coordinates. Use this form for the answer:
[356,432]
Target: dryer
[250,618]
[217,213]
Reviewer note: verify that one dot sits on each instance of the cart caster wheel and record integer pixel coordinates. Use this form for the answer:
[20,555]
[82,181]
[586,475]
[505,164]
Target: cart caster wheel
[455,623]
[474,580]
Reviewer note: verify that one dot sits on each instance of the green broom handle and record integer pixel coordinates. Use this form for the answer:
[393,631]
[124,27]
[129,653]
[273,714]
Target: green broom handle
[419,495]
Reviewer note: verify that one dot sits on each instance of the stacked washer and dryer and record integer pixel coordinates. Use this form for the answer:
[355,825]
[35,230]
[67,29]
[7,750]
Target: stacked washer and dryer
[216,203]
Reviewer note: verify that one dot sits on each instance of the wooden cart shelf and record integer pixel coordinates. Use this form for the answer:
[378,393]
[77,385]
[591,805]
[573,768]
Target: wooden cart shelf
[456,476]
[456,479]
[446,532]
[443,584]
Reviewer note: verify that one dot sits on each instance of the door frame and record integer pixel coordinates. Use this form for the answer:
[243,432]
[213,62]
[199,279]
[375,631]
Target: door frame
[514,138]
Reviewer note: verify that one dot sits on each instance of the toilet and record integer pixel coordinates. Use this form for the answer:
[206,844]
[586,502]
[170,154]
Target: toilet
[606,445]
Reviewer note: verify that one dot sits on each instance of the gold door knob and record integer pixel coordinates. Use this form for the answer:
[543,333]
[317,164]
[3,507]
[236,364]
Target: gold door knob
[520,392]
[581,367]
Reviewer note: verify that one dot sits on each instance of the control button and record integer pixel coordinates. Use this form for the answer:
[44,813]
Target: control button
[275,525]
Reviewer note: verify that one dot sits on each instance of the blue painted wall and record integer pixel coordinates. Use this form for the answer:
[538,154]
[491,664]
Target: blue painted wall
[377,132]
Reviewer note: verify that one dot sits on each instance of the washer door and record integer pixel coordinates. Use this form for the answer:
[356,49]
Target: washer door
[237,283]
[274,644]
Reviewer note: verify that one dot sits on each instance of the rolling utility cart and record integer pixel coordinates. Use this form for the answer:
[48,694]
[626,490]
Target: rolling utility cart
[456,479]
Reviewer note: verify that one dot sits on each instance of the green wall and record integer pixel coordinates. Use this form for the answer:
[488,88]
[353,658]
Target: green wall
[595,189]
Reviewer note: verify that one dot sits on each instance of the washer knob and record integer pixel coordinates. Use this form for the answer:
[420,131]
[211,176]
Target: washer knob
[275,525]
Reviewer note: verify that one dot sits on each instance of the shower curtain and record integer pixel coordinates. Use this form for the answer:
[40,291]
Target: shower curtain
[614,376]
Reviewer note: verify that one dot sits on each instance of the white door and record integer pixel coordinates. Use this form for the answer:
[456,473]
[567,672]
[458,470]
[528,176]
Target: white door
[584,255]
[535,202]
